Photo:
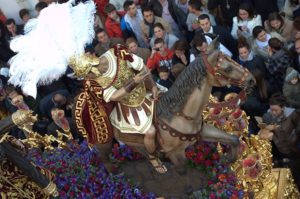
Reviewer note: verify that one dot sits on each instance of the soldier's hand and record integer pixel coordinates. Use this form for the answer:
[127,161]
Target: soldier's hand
[140,77]
[155,92]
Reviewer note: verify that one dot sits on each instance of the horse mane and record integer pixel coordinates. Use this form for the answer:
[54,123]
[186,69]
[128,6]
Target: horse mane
[176,97]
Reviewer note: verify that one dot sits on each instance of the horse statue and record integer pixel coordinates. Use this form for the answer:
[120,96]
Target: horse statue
[178,118]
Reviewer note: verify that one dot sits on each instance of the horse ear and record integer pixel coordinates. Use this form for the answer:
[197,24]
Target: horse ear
[214,45]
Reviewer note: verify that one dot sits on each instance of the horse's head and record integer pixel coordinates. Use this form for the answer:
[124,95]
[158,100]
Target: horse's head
[222,70]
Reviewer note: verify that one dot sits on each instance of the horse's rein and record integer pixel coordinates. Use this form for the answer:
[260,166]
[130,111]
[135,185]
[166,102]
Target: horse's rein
[232,103]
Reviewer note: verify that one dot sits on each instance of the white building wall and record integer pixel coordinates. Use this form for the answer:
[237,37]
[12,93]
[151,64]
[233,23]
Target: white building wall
[11,8]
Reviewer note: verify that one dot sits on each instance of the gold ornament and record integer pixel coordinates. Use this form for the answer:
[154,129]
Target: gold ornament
[23,118]
[268,183]
[51,190]
[83,64]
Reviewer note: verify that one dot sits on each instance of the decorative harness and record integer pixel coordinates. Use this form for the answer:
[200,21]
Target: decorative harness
[231,103]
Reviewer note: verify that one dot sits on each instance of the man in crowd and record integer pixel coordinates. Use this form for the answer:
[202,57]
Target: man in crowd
[14,29]
[131,22]
[104,42]
[112,23]
[160,56]
[201,42]
[194,12]
[147,24]
[224,34]
[132,45]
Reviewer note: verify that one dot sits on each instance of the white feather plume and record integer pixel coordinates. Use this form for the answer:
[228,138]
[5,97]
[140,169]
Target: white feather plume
[60,31]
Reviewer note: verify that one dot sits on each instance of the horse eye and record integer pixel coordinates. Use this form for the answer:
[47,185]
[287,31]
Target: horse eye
[228,69]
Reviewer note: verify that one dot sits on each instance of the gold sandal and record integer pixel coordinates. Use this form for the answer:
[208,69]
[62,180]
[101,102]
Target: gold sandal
[159,168]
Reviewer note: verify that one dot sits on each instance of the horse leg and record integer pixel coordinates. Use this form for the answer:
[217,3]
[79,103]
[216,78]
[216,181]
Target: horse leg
[212,134]
[103,153]
[178,158]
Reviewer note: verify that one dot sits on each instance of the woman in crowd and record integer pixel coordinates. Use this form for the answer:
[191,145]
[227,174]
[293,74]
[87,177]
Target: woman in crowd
[279,60]
[280,25]
[160,32]
[182,57]
[260,41]
[249,59]
[245,21]
[182,53]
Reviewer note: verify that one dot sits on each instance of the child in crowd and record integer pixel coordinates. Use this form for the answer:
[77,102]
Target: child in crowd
[165,77]
[291,88]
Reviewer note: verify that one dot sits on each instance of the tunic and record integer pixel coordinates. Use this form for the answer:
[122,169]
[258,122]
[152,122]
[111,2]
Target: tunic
[134,113]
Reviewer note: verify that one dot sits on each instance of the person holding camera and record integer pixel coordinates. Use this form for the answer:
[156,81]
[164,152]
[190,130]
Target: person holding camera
[160,55]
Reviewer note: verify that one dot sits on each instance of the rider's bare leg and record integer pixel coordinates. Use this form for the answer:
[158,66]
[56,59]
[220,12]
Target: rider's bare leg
[149,141]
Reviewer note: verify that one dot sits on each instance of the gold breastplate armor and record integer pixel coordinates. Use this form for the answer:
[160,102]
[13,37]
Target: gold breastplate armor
[137,95]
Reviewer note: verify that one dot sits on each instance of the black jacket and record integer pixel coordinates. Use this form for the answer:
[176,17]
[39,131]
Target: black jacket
[265,7]
[228,12]
[226,39]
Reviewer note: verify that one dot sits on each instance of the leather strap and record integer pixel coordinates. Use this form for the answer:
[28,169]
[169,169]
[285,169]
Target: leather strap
[135,116]
[232,103]
[183,137]
[125,112]
[118,113]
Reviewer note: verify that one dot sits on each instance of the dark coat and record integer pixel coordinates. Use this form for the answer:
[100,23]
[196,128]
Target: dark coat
[226,39]
[276,66]
[228,14]
[256,63]
[255,105]
[5,52]
[176,60]
[265,7]
[46,104]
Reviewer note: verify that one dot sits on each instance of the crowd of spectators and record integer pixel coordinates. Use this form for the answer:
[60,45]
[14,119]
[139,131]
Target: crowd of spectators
[263,36]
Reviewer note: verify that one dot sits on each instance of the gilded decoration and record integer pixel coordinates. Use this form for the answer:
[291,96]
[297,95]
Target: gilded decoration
[15,184]
[83,64]
[254,168]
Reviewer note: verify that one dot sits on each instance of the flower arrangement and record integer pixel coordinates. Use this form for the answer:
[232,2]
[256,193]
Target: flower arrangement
[252,166]
[80,174]
[222,181]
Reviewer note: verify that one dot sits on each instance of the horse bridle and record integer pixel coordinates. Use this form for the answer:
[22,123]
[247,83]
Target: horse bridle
[215,71]
[232,103]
